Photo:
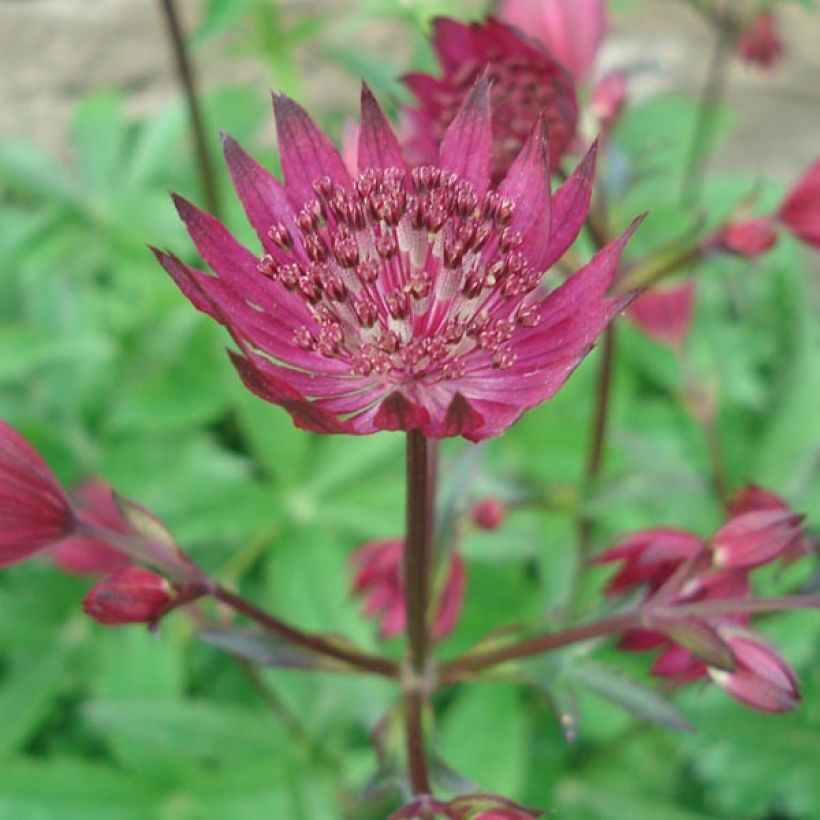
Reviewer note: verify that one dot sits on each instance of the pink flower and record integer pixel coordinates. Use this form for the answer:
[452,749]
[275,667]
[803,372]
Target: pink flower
[378,579]
[665,314]
[609,98]
[761,679]
[749,238]
[82,554]
[488,513]
[402,300]
[759,42]
[34,510]
[572,30]
[525,83]
[649,556]
[128,596]
[800,211]
[754,538]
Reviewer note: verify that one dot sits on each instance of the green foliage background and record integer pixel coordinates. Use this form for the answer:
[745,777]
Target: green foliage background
[108,370]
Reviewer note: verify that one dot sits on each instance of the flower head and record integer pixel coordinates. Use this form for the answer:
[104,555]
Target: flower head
[83,554]
[488,513]
[34,510]
[128,596]
[378,579]
[572,30]
[525,83]
[665,314]
[759,42]
[748,238]
[402,299]
[800,211]
[751,539]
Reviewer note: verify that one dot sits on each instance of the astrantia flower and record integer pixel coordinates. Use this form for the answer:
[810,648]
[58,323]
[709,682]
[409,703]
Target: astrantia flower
[572,30]
[525,83]
[748,237]
[759,42]
[83,554]
[34,510]
[378,580]
[130,595]
[402,299]
[800,211]
[665,313]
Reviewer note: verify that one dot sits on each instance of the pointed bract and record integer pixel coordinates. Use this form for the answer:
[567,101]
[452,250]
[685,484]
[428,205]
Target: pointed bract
[378,145]
[34,510]
[665,314]
[800,211]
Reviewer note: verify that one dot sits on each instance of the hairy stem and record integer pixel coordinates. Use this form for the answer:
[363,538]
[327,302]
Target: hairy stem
[187,80]
[314,643]
[470,664]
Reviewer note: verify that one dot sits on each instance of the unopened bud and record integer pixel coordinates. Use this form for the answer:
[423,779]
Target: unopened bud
[749,238]
[129,596]
[488,513]
[755,538]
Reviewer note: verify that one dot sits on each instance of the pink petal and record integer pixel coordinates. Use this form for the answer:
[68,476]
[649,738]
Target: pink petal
[378,145]
[465,149]
[397,413]
[665,314]
[305,151]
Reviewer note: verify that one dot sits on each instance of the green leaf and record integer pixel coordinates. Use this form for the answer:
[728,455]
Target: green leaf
[98,137]
[636,698]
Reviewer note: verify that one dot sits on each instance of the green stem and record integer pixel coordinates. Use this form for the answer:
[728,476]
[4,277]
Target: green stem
[187,80]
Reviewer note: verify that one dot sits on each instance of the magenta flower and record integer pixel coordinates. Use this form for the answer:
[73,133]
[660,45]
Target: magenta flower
[748,238]
[129,595]
[34,510]
[402,300]
[665,314]
[82,554]
[800,211]
[754,538]
[572,30]
[378,580]
[761,678]
[759,42]
[525,83]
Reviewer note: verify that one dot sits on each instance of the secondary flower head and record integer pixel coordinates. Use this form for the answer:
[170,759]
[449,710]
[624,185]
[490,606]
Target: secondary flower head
[83,554]
[34,510]
[378,579]
[572,30]
[525,83]
[488,513]
[128,596]
[665,313]
[402,299]
[748,237]
[609,98]
[759,42]
[800,211]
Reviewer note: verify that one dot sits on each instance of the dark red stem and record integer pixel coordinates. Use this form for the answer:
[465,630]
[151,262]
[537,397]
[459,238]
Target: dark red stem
[317,644]
[416,755]
[187,80]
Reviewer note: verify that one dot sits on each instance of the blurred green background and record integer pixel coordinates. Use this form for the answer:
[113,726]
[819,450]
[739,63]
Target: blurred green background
[109,371]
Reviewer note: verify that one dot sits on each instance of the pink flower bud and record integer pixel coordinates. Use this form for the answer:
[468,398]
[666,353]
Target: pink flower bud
[34,510]
[748,238]
[129,596]
[488,513]
[378,580]
[608,98]
[755,538]
[800,211]
[572,30]
[649,557]
[81,554]
[752,498]
[762,679]
[665,314]
[759,43]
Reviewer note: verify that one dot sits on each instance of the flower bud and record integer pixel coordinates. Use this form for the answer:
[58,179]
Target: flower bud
[82,554]
[665,314]
[608,98]
[800,211]
[755,538]
[759,42]
[129,596]
[34,510]
[749,238]
[488,513]
[762,679]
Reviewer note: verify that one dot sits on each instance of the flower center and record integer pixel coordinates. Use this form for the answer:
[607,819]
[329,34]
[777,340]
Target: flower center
[410,277]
